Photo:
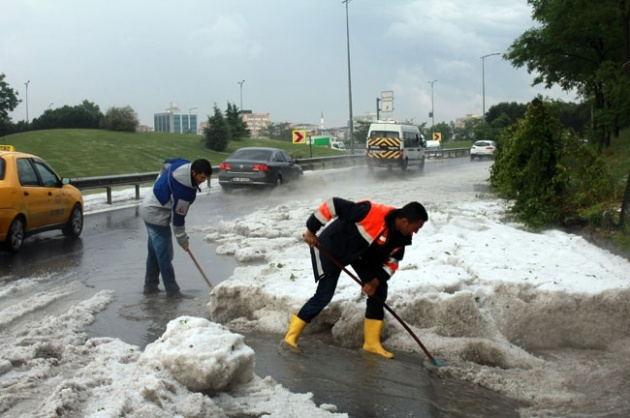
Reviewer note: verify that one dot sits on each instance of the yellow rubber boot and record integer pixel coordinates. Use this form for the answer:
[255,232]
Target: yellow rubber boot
[295,329]
[372,337]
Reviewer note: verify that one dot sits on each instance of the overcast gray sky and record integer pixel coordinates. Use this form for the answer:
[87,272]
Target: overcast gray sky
[291,53]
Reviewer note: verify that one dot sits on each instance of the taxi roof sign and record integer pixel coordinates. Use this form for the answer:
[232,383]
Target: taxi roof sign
[9,148]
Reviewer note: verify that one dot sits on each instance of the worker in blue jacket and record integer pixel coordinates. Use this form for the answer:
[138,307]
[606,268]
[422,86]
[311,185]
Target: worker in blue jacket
[173,192]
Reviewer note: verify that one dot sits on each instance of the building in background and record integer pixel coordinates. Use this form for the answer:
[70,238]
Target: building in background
[256,122]
[174,121]
[470,117]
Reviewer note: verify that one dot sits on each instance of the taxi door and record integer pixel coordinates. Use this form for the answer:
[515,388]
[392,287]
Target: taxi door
[39,200]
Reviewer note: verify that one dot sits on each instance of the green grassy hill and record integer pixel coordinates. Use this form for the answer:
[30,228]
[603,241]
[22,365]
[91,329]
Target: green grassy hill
[87,153]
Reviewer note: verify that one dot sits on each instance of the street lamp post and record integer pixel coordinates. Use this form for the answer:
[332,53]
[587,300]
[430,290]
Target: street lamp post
[351,125]
[189,128]
[26,95]
[483,82]
[241,84]
[432,108]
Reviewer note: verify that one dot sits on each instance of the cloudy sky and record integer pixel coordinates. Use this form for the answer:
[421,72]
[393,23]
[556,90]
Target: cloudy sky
[291,53]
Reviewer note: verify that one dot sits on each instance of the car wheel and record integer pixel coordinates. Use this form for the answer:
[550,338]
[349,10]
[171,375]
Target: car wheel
[404,164]
[15,237]
[75,223]
[422,164]
[278,182]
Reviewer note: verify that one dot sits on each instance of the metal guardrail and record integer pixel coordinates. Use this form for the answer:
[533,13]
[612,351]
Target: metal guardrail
[331,162]
[108,182]
[448,153]
[337,161]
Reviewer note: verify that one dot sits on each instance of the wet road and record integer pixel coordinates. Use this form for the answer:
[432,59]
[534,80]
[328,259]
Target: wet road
[111,253]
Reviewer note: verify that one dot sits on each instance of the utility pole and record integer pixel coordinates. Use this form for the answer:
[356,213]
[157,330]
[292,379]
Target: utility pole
[351,122]
[432,109]
[241,84]
[26,84]
[483,82]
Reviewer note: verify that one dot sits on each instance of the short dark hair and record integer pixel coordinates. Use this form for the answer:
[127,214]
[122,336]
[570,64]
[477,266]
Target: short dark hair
[414,212]
[202,166]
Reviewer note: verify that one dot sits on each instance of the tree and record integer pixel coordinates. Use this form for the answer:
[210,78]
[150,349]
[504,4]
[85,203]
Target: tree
[466,132]
[570,48]
[360,132]
[514,111]
[279,131]
[8,101]
[121,119]
[87,115]
[446,129]
[237,125]
[217,132]
[547,172]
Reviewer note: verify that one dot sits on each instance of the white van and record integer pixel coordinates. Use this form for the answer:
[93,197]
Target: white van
[390,144]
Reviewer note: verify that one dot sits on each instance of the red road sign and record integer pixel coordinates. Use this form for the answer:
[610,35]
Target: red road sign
[299,137]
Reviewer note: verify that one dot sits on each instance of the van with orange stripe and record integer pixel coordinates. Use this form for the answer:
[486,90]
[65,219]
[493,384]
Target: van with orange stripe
[394,145]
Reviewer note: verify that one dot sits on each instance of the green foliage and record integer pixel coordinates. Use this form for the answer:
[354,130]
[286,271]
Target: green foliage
[512,110]
[120,119]
[8,102]
[87,115]
[527,167]
[571,46]
[217,133]
[360,131]
[547,172]
[466,133]
[446,129]
[278,131]
[238,127]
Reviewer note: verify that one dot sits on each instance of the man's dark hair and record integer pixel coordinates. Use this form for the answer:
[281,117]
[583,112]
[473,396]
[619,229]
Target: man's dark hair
[413,212]
[202,166]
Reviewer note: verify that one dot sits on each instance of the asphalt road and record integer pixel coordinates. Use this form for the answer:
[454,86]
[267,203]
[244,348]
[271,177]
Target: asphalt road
[110,255]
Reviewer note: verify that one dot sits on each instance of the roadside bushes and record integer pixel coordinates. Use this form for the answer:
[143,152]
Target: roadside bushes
[548,172]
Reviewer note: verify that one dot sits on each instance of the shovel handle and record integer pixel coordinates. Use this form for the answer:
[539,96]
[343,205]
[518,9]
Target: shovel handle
[200,270]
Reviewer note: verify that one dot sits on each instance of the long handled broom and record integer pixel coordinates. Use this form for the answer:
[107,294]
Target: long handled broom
[435,362]
[200,270]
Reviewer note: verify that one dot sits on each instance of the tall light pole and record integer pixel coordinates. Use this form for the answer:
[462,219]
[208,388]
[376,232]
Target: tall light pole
[432,109]
[351,125]
[483,82]
[241,84]
[189,128]
[26,95]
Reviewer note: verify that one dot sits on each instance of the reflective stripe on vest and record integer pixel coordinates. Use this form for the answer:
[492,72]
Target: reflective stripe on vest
[373,225]
[325,212]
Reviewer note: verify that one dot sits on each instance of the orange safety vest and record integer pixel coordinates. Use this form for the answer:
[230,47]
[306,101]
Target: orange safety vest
[371,227]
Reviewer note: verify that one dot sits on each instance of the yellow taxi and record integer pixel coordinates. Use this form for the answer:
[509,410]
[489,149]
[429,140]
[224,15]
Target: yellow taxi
[33,198]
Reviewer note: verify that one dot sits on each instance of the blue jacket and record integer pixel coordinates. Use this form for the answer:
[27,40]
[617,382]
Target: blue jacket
[173,193]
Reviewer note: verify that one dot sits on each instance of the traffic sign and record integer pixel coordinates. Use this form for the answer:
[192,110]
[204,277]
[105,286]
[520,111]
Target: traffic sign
[299,136]
[437,136]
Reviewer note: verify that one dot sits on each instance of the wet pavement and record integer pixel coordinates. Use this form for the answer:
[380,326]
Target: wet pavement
[111,253]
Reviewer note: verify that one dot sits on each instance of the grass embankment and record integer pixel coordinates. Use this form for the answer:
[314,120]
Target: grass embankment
[78,153]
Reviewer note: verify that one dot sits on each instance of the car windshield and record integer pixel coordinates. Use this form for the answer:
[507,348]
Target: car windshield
[383,134]
[252,154]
